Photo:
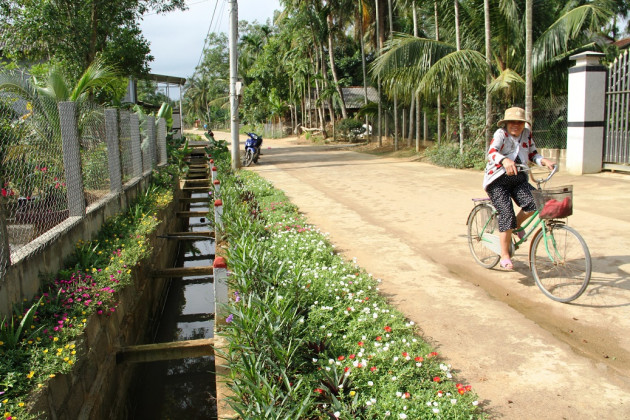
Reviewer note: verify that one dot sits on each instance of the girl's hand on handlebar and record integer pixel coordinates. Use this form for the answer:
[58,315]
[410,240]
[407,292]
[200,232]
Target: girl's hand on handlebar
[548,163]
[510,166]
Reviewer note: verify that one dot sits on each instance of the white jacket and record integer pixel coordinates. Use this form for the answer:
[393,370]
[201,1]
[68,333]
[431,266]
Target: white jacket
[506,146]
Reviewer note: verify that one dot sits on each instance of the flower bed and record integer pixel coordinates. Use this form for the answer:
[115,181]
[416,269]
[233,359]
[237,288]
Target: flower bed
[310,336]
[43,338]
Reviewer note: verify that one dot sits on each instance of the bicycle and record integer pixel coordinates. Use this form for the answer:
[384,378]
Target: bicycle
[559,258]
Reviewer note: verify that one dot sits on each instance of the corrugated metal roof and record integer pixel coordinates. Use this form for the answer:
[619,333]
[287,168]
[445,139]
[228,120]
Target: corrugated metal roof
[355,96]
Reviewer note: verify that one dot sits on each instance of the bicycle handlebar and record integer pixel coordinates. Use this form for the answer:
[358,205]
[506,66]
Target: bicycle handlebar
[526,168]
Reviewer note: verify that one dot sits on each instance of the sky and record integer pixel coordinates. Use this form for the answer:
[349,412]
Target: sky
[177,37]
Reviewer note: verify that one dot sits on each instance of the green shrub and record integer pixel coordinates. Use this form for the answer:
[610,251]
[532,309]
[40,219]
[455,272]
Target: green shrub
[448,155]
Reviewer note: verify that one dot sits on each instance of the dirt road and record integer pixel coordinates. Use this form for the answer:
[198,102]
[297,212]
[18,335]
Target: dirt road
[526,356]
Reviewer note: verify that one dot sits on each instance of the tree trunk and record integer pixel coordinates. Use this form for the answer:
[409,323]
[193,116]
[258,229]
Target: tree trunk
[439,97]
[364,66]
[415,33]
[380,29]
[331,55]
[529,4]
[486,13]
[93,34]
[391,34]
[460,95]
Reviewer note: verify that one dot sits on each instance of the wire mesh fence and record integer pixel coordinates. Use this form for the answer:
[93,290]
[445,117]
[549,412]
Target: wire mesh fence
[94,160]
[550,122]
[32,172]
[55,161]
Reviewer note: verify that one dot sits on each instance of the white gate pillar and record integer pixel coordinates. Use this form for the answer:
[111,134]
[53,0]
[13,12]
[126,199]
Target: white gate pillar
[586,109]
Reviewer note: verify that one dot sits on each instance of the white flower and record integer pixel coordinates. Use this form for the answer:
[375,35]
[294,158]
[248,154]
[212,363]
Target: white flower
[398,394]
[396,359]
[402,416]
[475,403]
[387,414]
[370,383]
[337,414]
[436,410]
[394,378]
[453,401]
[315,360]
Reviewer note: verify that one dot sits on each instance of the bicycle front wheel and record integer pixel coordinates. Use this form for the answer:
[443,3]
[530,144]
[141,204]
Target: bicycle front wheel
[561,263]
[248,158]
[482,225]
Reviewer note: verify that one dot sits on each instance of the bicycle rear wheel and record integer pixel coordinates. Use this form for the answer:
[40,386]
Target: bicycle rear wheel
[560,263]
[482,221]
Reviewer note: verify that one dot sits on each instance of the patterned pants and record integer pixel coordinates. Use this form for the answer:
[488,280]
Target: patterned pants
[503,190]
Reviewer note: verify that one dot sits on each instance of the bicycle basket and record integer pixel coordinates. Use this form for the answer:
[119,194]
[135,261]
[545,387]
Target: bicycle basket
[554,203]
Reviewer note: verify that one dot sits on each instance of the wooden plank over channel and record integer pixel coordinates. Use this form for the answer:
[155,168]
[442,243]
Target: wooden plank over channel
[192,213]
[182,271]
[166,351]
[195,235]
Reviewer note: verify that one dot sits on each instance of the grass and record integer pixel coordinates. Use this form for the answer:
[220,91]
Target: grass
[310,336]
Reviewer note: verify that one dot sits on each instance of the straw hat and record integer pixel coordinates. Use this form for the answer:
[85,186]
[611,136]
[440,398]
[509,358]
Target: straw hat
[514,114]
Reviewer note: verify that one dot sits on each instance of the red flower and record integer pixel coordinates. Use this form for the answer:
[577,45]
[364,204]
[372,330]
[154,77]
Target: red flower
[318,390]
[352,356]
[341,358]
[388,328]
[360,365]
[418,359]
[4,192]
[432,354]
[461,391]
[405,354]
[378,338]
[360,343]
[436,379]
[373,368]
[346,369]
[407,395]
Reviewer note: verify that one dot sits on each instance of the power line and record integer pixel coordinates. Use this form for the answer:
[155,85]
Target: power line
[206,39]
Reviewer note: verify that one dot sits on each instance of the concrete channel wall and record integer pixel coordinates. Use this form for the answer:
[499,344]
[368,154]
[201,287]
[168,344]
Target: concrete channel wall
[97,388]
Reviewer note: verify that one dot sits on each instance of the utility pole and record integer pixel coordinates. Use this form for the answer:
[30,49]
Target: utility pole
[236,162]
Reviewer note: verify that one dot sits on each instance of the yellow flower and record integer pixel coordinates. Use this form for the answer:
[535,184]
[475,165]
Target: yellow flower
[1,343]
[7,415]
[52,375]
[56,339]
[70,362]
[45,351]
[30,374]
[21,404]
[352,393]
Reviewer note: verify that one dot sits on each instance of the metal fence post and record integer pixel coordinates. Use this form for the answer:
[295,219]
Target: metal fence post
[151,152]
[72,158]
[5,249]
[136,151]
[161,142]
[113,152]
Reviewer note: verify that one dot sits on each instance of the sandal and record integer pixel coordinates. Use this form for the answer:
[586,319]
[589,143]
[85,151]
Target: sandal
[506,264]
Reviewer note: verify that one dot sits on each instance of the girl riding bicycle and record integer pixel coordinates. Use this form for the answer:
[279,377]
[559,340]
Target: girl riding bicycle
[512,144]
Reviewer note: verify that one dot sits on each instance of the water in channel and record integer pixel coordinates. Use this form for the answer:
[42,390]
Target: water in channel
[183,388]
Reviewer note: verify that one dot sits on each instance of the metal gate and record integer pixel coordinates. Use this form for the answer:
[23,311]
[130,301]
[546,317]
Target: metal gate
[617,135]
